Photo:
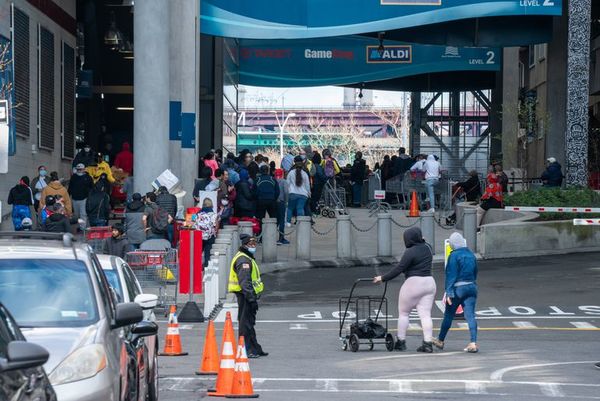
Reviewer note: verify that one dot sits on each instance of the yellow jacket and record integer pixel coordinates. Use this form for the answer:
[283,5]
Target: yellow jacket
[102,168]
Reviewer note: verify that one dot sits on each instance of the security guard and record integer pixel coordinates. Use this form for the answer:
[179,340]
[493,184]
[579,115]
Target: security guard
[245,282]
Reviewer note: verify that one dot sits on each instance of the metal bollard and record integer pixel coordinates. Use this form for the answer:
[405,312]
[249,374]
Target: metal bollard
[303,224]
[269,240]
[384,234]
[470,228]
[221,253]
[245,227]
[235,238]
[428,228]
[344,236]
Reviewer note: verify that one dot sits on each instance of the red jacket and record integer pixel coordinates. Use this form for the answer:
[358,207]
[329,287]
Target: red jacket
[124,159]
[493,188]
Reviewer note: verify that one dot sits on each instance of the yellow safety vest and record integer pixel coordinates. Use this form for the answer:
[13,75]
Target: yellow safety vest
[234,284]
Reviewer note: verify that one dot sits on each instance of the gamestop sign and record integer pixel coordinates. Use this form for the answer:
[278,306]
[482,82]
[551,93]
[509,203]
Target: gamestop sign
[390,54]
[328,54]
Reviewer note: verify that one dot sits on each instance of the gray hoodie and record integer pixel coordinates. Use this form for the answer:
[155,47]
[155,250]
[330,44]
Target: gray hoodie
[417,258]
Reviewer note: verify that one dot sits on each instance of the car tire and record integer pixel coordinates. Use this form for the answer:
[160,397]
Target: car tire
[153,380]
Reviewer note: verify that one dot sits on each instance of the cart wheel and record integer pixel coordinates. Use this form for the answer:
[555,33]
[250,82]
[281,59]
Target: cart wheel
[331,214]
[324,212]
[371,345]
[354,343]
[389,342]
[345,345]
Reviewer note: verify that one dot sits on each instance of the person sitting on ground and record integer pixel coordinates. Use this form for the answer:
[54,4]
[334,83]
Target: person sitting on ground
[46,211]
[57,222]
[117,244]
[552,176]
[55,188]
[491,199]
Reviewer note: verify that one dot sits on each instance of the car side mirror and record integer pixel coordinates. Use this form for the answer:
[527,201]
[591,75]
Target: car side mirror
[128,314]
[23,355]
[144,328]
[147,301]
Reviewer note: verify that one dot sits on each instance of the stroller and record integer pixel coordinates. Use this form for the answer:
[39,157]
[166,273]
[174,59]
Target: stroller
[364,329]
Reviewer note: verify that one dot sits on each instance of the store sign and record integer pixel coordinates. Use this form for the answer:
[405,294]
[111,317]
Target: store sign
[389,54]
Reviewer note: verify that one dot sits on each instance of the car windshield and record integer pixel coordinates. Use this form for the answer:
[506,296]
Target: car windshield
[48,292]
[114,282]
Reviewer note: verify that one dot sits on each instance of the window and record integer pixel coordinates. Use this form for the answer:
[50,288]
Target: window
[20,25]
[46,88]
[132,284]
[105,293]
[113,279]
[531,56]
[542,51]
[68,102]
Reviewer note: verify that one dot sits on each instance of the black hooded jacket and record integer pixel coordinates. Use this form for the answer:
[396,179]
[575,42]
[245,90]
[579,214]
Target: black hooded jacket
[20,195]
[57,223]
[417,258]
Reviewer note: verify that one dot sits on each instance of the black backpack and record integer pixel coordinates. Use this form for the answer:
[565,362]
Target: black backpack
[160,220]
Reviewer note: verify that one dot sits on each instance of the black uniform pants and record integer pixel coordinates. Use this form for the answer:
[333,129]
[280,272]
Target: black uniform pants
[266,206]
[246,322]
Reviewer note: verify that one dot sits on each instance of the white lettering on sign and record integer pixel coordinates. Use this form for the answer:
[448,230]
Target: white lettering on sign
[521,310]
[590,309]
[548,3]
[491,311]
[323,54]
[349,315]
[315,315]
[558,311]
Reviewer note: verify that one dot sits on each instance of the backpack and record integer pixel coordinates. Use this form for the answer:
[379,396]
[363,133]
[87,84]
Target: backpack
[329,168]
[260,181]
[160,220]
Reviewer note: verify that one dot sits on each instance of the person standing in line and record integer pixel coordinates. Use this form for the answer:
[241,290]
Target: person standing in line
[357,178]
[37,186]
[117,244]
[418,289]
[124,159]
[245,202]
[401,165]
[201,183]
[80,186]
[56,189]
[168,202]
[246,284]
[299,184]
[209,161]
[207,221]
[432,178]
[100,170]
[85,156]
[461,289]
[282,200]
[57,222]
[319,181]
[266,192]
[134,221]
[21,199]
[97,206]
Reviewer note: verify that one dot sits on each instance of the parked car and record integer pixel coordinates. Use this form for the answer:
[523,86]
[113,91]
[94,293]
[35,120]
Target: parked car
[144,351]
[59,295]
[22,377]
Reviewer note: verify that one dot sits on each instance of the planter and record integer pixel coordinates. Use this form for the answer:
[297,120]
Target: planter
[492,216]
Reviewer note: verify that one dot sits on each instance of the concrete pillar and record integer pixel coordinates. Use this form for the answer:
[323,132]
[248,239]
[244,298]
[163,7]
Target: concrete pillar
[578,89]
[226,243]
[269,240]
[245,227]
[510,107]
[384,234]
[428,228]
[235,237]
[303,234]
[190,68]
[175,60]
[470,228]
[151,93]
[221,252]
[344,236]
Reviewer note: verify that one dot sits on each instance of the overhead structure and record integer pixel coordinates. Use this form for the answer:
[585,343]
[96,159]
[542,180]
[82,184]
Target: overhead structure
[445,22]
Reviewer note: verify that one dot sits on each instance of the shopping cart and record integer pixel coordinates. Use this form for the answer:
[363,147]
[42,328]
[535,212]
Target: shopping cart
[95,236]
[157,272]
[366,327]
[333,201]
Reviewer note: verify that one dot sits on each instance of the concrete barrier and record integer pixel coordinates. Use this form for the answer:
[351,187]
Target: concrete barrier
[269,240]
[235,237]
[428,228]
[384,234]
[220,252]
[470,228]
[344,236]
[492,216]
[303,237]
[245,227]
[518,239]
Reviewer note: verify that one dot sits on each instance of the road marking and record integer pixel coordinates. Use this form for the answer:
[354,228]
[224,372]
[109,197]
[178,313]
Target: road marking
[463,325]
[497,375]
[414,326]
[186,327]
[441,306]
[298,326]
[400,386]
[434,318]
[551,390]
[327,385]
[525,325]
[382,358]
[583,325]
[475,387]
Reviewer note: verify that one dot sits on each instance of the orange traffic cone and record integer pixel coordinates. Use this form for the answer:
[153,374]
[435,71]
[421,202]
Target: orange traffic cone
[242,380]
[210,355]
[173,340]
[414,205]
[227,368]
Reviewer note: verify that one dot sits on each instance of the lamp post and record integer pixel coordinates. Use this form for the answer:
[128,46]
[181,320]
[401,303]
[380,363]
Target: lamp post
[281,128]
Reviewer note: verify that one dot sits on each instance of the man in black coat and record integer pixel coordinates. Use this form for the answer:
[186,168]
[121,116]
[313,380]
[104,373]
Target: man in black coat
[80,186]
[167,202]
[402,164]
[357,178]
[117,244]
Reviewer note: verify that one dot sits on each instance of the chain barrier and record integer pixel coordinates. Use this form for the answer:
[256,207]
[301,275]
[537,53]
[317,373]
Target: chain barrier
[323,234]
[293,230]
[361,230]
[407,226]
[447,228]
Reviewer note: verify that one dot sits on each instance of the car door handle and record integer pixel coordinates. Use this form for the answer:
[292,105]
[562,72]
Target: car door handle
[31,383]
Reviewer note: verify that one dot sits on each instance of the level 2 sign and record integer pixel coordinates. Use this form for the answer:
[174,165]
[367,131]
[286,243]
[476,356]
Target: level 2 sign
[536,3]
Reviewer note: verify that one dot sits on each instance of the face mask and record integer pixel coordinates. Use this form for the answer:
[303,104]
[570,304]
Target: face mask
[80,173]
[224,202]
[43,173]
[252,250]
[87,150]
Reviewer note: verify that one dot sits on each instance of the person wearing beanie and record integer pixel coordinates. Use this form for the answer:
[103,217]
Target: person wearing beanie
[21,199]
[246,284]
[461,289]
[117,244]
[418,290]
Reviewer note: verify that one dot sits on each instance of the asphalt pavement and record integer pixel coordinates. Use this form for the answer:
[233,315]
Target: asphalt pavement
[539,322]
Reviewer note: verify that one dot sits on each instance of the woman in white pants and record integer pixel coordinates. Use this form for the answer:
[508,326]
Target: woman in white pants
[418,290]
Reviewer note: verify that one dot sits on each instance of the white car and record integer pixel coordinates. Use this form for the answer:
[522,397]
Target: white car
[144,353]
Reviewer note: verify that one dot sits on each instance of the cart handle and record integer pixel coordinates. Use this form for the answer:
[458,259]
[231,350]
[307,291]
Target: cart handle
[343,318]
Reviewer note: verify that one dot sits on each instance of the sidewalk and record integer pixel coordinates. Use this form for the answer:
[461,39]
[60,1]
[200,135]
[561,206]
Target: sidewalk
[324,247]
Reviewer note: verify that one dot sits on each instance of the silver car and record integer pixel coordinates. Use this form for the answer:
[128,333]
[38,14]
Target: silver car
[59,295]
[145,353]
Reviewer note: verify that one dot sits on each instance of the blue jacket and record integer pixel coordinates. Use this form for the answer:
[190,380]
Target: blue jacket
[462,266]
[266,188]
[553,175]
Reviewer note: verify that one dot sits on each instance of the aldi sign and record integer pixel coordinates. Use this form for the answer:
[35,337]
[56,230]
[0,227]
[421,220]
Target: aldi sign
[390,54]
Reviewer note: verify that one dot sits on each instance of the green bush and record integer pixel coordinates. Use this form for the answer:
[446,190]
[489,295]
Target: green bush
[556,197]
